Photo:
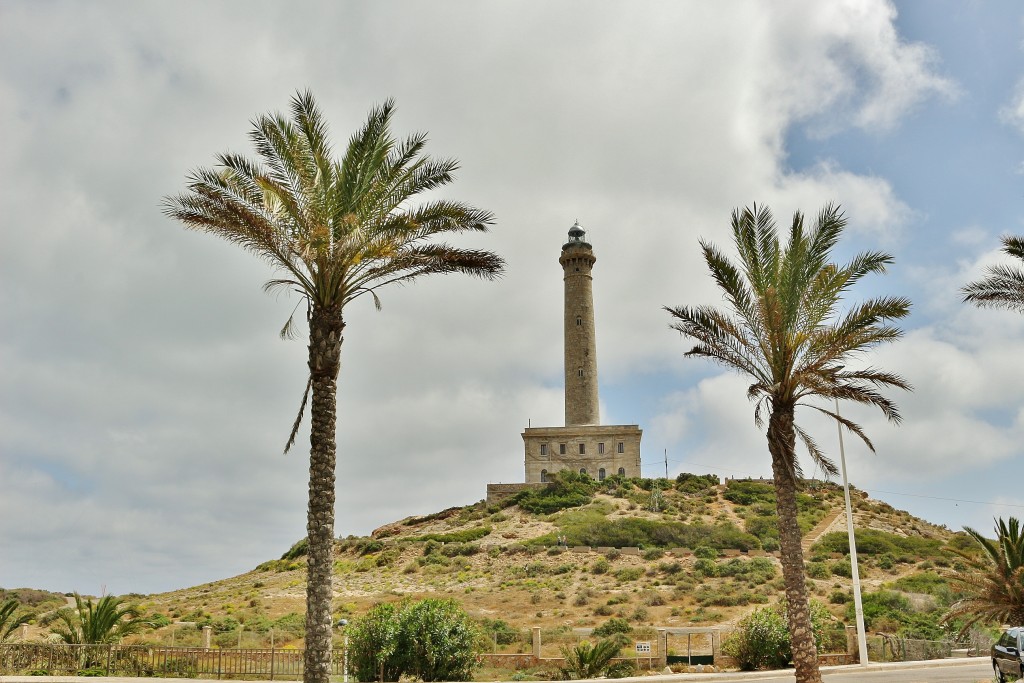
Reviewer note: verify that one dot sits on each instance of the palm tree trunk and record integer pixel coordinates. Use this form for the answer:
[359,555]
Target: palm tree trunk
[325,328]
[782,445]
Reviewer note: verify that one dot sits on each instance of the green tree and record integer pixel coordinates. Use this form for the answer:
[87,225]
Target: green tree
[761,639]
[431,640]
[11,619]
[1003,286]
[106,621]
[991,585]
[335,230]
[784,330]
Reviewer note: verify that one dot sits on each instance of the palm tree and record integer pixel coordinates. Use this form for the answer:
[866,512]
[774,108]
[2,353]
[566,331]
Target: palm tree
[784,329]
[10,620]
[589,661]
[106,621]
[992,583]
[335,230]
[1004,286]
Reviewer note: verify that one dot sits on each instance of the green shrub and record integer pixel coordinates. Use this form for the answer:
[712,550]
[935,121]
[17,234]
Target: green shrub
[611,627]
[653,554]
[601,566]
[432,640]
[705,567]
[463,536]
[876,542]
[567,489]
[696,483]
[629,574]
[841,568]
[817,570]
[761,640]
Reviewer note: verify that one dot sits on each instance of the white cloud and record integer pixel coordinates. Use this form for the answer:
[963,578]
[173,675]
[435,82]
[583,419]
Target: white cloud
[141,383]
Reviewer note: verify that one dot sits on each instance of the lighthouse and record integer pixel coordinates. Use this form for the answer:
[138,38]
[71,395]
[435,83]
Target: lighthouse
[583,445]
[580,339]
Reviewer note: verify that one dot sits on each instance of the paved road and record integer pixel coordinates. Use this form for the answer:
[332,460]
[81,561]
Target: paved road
[975,670]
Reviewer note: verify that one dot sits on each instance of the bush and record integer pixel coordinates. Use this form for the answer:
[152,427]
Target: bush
[432,640]
[761,640]
[629,574]
[463,536]
[567,489]
[601,566]
[696,483]
[298,550]
[611,627]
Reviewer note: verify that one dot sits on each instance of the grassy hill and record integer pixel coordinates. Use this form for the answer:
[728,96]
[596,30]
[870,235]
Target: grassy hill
[509,565]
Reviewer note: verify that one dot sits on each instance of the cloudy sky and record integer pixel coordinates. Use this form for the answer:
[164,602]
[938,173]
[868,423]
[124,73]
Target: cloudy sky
[144,393]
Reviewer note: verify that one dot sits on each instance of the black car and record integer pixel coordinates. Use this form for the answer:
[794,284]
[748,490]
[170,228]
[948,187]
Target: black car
[1008,655]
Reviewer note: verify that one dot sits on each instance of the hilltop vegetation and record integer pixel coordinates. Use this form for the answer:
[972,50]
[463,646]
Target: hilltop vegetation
[506,566]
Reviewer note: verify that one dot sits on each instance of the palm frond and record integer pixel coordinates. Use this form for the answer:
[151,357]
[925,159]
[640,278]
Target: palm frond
[1003,286]
[298,418]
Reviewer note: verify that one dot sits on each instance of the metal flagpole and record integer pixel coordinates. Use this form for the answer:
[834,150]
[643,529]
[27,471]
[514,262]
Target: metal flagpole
[862,641]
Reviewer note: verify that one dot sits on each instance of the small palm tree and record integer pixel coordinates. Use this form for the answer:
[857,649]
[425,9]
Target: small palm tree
[11,619]
[992,584]
[1004,286]
[335,230]
[106,621]
[589,661]
[785,331]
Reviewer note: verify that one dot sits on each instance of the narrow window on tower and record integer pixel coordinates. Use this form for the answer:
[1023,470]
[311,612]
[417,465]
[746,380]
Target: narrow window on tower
[583,449]
[561,449]
[543,449]
[621,448]
[580,372]
[579,321]
[600,448]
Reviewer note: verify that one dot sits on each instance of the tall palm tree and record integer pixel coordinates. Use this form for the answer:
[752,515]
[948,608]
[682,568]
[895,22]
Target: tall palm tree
[106,621]
[1004,285]
[992,583]
[11,619]
[335,230]
[784,329]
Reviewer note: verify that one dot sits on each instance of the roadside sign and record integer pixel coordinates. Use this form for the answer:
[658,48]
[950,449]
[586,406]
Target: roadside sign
[643,648]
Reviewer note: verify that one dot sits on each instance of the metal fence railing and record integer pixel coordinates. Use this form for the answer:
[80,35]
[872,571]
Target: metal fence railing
[58,659]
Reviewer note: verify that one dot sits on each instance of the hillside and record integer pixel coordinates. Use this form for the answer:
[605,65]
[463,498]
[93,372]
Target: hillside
[507,564]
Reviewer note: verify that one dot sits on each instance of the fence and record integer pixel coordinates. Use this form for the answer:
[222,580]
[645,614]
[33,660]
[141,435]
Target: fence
[141,660]
[885,648]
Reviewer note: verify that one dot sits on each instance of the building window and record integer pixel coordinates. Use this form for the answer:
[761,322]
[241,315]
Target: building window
[600,474]
[583,449]
[543,476]
[583,471]
[579,321]
[621,447]
[622,471]
[600,448]
[543,449]
[561,449]
[580,372]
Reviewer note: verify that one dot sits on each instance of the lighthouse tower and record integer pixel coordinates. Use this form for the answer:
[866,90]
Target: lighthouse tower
[581,404]
[583,445]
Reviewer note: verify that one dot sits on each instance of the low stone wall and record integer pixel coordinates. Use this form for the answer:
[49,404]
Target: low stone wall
[499,492]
